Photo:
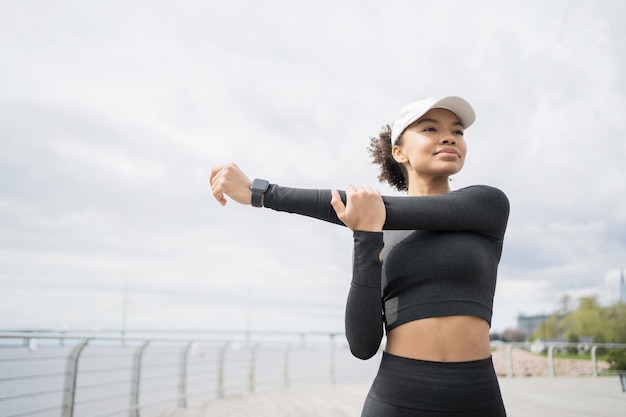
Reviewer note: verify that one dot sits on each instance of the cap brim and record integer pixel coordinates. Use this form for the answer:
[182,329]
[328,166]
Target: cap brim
[459,106]
[414,111]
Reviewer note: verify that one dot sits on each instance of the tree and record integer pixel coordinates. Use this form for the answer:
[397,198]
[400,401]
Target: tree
[615,319]
[549,329]
[590,319]
[617,359]
[572,338]
[566,305]
[587,321]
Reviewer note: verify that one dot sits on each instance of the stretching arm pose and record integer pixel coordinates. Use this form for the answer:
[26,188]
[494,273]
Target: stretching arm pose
[424,265]
[435,285]
[479,209]
[364,213]
[475,208]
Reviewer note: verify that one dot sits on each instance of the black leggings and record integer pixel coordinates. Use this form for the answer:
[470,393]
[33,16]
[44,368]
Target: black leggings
[415,388]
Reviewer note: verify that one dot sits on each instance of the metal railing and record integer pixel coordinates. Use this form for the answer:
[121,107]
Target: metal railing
[45,374]
[587,351]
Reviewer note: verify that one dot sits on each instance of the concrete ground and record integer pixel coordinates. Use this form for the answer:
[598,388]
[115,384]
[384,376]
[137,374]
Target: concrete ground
[523,397]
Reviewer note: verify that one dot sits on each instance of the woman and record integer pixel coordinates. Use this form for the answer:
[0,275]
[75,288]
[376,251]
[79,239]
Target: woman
[435,263]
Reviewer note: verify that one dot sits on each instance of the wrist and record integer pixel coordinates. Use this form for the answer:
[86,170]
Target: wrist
[258,189]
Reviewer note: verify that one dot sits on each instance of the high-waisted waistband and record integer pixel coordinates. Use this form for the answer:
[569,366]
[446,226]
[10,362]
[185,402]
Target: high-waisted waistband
[413,387]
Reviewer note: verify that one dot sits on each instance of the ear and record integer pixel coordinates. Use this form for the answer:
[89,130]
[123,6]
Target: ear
[398,154]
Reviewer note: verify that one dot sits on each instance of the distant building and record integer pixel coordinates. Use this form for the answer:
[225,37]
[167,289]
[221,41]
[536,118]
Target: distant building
[528,324]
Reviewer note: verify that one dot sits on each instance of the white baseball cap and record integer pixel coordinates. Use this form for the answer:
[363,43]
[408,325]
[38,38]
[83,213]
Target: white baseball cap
[412,112]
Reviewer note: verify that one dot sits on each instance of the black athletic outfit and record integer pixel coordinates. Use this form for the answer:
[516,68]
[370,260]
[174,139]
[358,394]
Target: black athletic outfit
[440,258]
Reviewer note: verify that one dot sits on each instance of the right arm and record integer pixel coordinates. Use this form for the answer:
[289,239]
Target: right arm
[478,209]
[364,213]
[229,180]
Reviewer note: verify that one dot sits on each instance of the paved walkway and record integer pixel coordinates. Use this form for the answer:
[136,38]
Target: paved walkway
[523,397]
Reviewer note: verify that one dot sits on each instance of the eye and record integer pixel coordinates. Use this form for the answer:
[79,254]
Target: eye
[458,132]
[430,129]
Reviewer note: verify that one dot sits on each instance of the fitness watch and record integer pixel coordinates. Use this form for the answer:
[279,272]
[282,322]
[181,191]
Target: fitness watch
[258,188]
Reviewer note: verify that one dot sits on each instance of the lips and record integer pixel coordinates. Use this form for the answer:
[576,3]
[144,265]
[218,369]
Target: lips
[450,151]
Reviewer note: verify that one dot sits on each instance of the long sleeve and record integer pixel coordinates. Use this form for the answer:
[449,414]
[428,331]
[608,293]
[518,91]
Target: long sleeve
[307,202]
[478,208]
[364,308]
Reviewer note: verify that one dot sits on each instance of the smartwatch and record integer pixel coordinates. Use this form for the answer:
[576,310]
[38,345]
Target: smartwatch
[258,188]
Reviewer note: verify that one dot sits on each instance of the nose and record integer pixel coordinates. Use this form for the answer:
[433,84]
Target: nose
[448,138]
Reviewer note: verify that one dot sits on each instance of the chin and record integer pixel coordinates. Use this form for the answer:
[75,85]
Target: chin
[453,171]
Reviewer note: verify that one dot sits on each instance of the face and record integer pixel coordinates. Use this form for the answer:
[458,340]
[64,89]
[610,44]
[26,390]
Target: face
[433,146]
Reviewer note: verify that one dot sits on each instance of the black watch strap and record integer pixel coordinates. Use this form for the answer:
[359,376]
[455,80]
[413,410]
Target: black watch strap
[258,188]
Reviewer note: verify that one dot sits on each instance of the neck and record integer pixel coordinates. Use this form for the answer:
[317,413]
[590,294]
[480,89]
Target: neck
[428,186]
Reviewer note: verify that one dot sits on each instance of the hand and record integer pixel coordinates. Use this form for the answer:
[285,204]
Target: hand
[364,209]
[230,180]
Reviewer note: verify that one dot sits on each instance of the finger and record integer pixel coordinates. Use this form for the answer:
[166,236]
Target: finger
[219,196]
[352,194]
[215,172]
[337,204]
[336,201]
[217,190]
[215,183]
[372,191]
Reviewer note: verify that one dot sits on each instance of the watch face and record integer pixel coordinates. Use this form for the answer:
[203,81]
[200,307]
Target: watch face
[259,185]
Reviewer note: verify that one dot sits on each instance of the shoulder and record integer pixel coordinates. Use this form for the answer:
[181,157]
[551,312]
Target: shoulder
[485,195]
[481,190]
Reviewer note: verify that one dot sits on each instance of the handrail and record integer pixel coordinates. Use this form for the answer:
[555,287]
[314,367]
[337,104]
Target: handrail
[199,368]
[182,375]
[85,351]
[71,374]
[136,379]
[550,348]
[33,376]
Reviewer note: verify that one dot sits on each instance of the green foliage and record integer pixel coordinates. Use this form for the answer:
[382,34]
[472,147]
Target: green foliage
[566,305]
[572,338]
[615,316]
[617,359]
[599,338]
[549,329]
[590,319]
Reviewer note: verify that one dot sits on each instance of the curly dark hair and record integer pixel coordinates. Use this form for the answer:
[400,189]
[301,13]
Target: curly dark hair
[391,171]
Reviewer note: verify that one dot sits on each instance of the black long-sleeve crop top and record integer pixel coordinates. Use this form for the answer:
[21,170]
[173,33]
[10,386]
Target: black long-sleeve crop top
[440,257]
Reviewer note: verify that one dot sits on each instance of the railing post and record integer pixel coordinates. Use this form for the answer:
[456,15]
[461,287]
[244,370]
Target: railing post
[286,365]
[331,368]
[182,376]
[71,374]
[594,360]
[509,360]
[551,361]
[252,366]
[220,370]
[135,380]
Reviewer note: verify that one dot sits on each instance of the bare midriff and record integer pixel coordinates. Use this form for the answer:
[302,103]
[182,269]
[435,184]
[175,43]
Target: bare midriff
[441,339]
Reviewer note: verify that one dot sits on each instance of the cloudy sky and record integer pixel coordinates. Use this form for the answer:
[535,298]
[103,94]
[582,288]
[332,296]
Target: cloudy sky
[112,114]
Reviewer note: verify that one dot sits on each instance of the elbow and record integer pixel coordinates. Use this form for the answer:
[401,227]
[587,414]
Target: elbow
[363,351]
[363,354]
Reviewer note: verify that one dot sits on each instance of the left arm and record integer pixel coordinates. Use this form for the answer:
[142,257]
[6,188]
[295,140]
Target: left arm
[364,307]
[364,213]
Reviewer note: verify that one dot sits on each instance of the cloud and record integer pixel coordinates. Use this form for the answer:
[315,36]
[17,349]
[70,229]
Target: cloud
[110,124]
